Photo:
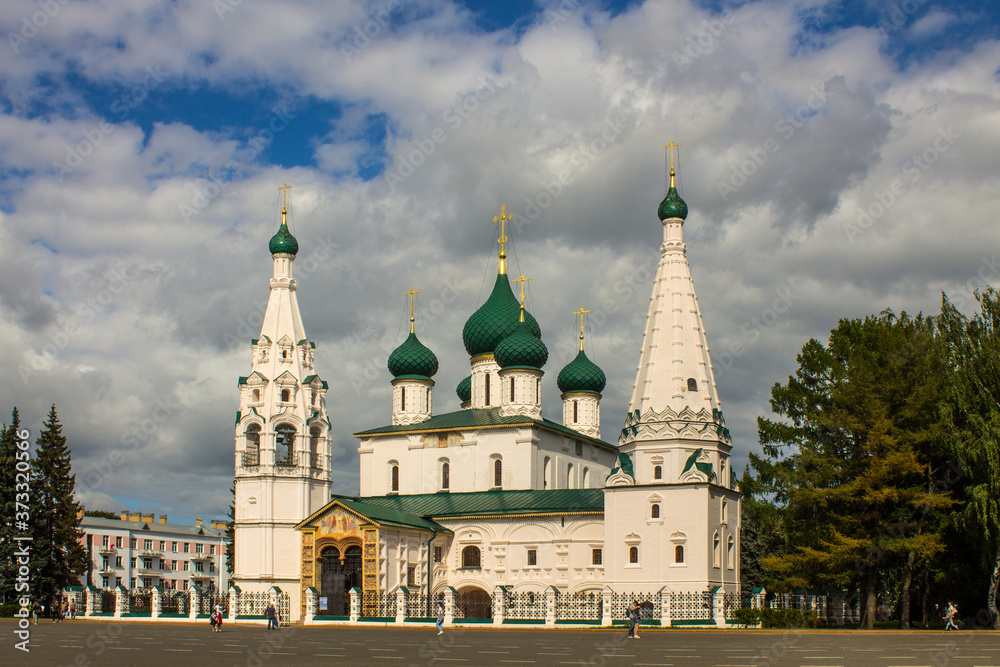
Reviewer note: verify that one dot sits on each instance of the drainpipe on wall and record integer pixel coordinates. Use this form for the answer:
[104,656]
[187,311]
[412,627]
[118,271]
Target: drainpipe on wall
[429,554]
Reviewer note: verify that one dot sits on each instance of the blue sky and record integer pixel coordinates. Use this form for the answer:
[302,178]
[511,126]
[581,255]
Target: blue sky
[841,150]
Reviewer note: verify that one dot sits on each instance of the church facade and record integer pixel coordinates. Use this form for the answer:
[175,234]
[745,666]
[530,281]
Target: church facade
[493,495]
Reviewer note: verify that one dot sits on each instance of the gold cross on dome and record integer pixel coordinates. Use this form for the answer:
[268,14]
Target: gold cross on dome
[581,313]
[284,194]
[412,293]
[522,280]
[502,219]
[671,146]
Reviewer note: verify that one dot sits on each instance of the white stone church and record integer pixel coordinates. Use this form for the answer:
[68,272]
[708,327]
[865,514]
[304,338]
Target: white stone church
[493,495]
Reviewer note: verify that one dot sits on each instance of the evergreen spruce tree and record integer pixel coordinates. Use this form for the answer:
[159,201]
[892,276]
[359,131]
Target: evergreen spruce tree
[8,490]
[58,558]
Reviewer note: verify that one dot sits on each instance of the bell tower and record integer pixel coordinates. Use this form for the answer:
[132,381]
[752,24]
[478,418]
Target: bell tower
[283,447]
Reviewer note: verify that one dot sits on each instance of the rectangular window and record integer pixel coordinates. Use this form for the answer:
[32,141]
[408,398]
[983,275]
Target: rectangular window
[411,576]
[104,582]
[186,545]
[118,541]
[185,585]
[163,545]
[147,563]
[107,541]
[437,554]
[184,566]
[133,562]
[199,566]
[198,548]
[532,557]
[147,582]
[173,547]
[597,557]
[105,567]
[211,567]
[147,545]
[211,549]
[118,561]
[131,543]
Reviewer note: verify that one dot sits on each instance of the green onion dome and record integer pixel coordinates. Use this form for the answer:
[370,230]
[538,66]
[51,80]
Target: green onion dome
[283,243]
[412,360]
[464,390]
[496,320]
[581,375]
[672,205]
[521,349]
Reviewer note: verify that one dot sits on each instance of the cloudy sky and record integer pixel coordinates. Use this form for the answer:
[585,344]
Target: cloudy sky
[838,158]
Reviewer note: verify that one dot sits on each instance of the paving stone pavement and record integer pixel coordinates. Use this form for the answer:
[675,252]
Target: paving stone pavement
[84,643]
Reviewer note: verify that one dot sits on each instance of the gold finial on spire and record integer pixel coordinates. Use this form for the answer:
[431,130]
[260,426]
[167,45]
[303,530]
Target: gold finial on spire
[502,219]
[671,146]
[581,313]
[284,200]
[522,280]
[412,293]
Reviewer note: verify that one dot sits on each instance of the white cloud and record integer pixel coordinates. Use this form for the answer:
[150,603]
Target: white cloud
[563,125]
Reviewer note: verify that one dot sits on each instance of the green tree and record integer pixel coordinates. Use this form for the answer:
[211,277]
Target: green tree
[974,352]
[848,466]
[57,557]
[103,514]
[8,490]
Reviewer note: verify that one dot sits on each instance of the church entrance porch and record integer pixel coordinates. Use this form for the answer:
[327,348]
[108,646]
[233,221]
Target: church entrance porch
[339,573]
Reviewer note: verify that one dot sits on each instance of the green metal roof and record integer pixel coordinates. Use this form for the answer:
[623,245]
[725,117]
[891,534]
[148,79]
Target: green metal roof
[413,358]
[496,319]
[521,349]
[672,206]
[581,374]
[283,242]
[382,515]
[624,463]
[703,467]
[464,390]
[445,505]
[479,418]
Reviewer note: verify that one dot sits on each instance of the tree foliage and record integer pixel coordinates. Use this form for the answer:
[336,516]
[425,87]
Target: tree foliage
[8,446]
[973,346]
[849,468]
[57,557]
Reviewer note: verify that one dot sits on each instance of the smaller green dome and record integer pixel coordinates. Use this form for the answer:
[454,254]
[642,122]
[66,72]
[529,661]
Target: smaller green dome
[672,206]
[521,349]
[283,243]
[413,358]
[581,374]
[464,390]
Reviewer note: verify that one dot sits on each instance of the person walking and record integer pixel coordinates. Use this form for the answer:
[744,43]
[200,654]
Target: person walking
[440,617]
[56,612]
[634,614]
[35,609]
[72,610]
[272,617]
[949,615]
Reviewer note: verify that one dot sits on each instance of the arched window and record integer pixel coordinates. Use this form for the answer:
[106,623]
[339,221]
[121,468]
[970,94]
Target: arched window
[692,384]
[716,551]
[286,395]
[531,598]
[679,554]
[471,557]
[284,354]
[576,413]
[725,511]
[654,511]
[252,455]
[538,390]
[569,476]
[394,478]
[657,472]
[256,395]
[633,555]
[498,473]
[284,445]
[512,390]
[445,475]
[546,473]
[314,434]
[402,398]
[586,478]
[487,393]
[731,553]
